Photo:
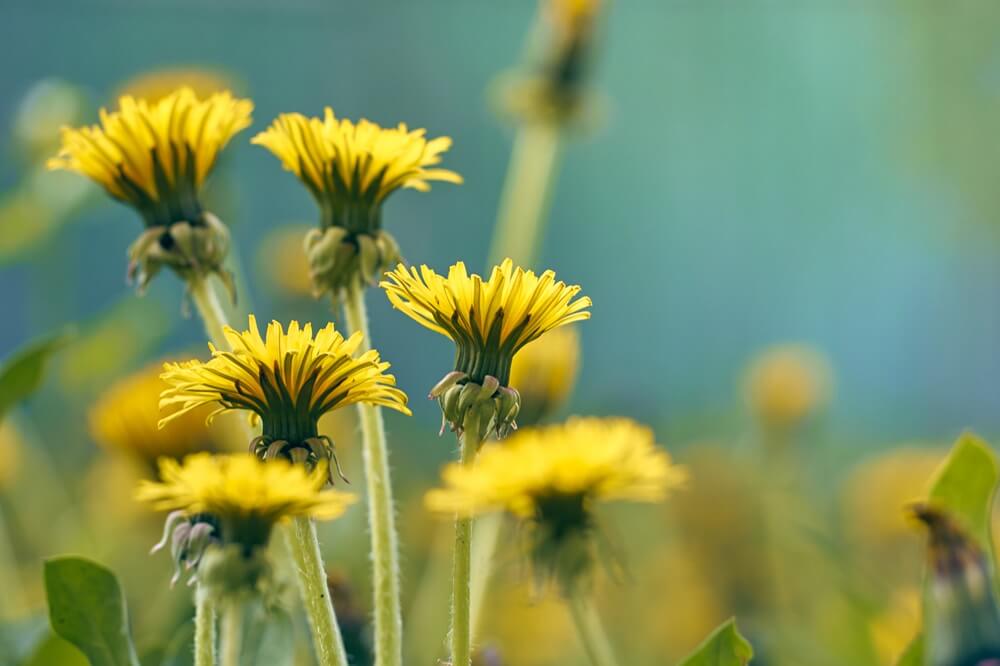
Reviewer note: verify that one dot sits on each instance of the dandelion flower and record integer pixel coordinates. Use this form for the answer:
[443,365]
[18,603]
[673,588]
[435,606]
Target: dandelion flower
[287,380]
[553,476]
[784,385]
[350,169]
[544,374]
[155,157]
[489,322]
[232,502]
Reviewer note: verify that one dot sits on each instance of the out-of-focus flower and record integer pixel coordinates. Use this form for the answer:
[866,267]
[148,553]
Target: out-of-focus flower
[552,476]
[10,452]
[786,384]
[963,612]
[283,259]
[350,169]
[544,373]
[489,321]
[231,502]
[528,629]
[155,157]
[157,84]
[287,381]
[894,627]
[125,417]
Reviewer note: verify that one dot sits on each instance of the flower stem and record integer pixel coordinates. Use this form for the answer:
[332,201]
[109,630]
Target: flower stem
[461,628]
[304,547]
[204,629]
[527,192]
[207,302]
[232,634]
[591,632]
[485,538]
[381,516]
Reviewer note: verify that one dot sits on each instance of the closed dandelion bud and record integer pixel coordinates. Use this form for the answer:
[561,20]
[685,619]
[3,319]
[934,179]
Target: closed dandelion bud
[963,617]
[490,321]
[189,537]
[350,169]
[155,157]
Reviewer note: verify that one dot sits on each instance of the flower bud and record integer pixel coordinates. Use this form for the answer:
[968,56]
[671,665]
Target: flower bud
[338,256]
[492,407]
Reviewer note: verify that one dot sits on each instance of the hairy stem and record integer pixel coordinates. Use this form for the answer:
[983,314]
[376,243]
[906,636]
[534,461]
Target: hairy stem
[461,628]
[206,301]
[591,632]
[204,629]
[304,547]
[381,513]
[527,191]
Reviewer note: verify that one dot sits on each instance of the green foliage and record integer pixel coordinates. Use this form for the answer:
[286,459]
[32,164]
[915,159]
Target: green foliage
[22,372]
[87,608]
[724,647]
[914,654]
[964,486]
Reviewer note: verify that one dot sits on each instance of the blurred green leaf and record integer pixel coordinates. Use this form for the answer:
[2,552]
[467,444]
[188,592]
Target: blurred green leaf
[21,373]
[914,654]
[87,608]
[724,647]
[964,486]
[55,651]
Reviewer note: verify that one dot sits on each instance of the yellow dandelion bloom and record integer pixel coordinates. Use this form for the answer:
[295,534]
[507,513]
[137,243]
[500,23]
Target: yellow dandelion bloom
[124,419]
[787,383]
[156,156]
[288,380]
[590,459]
[544,374]
[351,168]
[489,322]
[240,487]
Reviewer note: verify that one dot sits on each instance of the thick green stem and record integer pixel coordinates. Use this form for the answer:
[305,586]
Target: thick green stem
[304,547]
[381,516]
[485,538]
[461,628]
[208,305]
[232,634]
[527,192]
[204,629]
[588,627]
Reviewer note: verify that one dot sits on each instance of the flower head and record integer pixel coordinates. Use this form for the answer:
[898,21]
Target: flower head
[552,477]
[350,168]
[786,384]
[231,502]
[124,419]
[489,321]
[288,380]
[544,374]
[156,157]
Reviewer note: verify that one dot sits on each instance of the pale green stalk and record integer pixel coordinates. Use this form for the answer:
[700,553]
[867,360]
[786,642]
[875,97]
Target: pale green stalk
[10,578]
[304,547]
[461,629]
[206,301]
[485,537]
[527,192]
[204,629]
[232,634]
[381,515]
[591,632]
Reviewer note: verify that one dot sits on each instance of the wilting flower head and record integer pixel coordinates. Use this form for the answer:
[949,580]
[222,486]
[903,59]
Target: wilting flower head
[489,321]
[232,502]
[350,169]
[288,380]
[786,384]
[553,476]
[124,419]
[156,157]
[544,373]
[963,616]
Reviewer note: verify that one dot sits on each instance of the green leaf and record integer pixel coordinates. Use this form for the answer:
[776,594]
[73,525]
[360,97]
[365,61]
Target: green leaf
[914,654]
[964,485]
[87,608]
[21,373]
[724,647]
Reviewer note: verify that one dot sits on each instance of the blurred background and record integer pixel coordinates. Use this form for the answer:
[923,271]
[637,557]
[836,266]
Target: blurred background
[784,213]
